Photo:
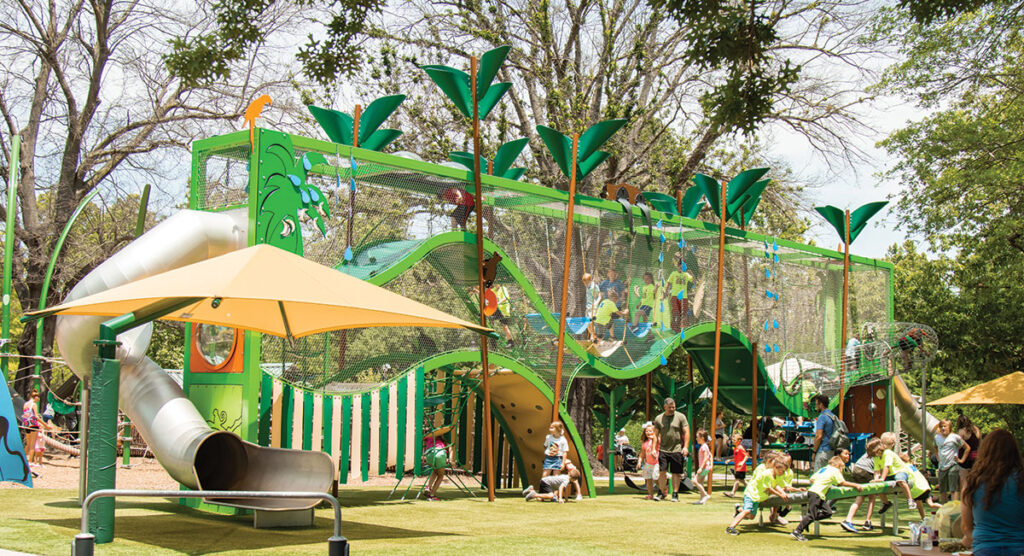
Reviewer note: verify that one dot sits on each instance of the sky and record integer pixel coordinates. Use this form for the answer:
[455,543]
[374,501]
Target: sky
[849,186]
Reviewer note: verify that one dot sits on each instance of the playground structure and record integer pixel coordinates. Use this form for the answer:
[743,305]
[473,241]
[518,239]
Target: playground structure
[367,397]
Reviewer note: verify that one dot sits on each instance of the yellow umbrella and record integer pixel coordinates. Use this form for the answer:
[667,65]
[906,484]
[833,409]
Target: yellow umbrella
[265,289]
[1008,389]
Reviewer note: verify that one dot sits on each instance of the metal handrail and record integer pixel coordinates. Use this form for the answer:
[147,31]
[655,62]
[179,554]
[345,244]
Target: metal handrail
[84,541]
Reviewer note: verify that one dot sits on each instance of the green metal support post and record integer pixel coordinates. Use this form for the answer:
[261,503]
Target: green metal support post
[105,388]
[609,450]
[12,203]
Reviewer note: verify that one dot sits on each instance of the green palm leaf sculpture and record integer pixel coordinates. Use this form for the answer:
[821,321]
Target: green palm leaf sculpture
[588,156]
[858,218]
[742,192]
[340,127]
[503,159]
[693,202]
[455,84]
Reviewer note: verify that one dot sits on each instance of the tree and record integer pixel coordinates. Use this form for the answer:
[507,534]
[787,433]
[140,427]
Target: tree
[576,63]
[960,170]
[84,85]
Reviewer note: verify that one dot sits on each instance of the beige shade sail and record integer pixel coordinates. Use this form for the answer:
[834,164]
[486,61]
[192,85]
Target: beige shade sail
[1007,389]
[265,289]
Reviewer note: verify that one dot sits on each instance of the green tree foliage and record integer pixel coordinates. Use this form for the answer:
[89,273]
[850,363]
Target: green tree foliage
[209,56]
[961,173]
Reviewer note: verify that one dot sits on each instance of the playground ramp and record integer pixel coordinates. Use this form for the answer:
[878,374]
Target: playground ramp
[193,453]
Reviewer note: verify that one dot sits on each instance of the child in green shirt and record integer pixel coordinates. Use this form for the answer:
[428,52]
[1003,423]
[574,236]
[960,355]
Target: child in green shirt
[647,295]
[821,482]
[759,488]
[889,467]
[678,283]
[606,310]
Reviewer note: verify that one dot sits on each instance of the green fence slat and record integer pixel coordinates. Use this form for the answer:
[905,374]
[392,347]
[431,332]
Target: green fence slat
[266,410]
[364,437]
[328,423]
[460,455]
[478,434]
[385,414]
[307,420]
[345,460]
[403,415]
[287,405]
[418,423]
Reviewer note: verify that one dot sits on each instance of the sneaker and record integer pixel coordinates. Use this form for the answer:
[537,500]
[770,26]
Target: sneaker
[867,526]
[796,535]
[579,497]
[530,495]
[527,490]
[781,521]
[658,496]
[728,494]
[911,505]
[675,497]
[704,499]
[509,344]
[885,507]
[847,526]
[732,531]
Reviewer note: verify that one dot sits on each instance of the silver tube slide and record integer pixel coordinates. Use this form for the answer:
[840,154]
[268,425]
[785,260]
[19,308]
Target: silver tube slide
[194,454]
[911,415]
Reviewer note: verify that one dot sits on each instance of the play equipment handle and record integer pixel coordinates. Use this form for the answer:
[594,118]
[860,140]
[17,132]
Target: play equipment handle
[84,542]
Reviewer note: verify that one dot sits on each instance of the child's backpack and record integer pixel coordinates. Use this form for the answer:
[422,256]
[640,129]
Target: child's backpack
[840,434]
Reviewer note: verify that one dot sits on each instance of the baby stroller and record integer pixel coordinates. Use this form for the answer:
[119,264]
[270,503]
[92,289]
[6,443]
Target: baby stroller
[630,461]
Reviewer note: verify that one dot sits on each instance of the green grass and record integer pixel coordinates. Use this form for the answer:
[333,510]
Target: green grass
[44,521]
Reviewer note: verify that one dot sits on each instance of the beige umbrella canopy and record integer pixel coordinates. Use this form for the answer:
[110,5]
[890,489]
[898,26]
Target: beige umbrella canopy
[1008,389]
[265,289]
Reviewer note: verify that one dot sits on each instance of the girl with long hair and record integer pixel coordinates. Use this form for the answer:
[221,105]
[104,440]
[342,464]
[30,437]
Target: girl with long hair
[992,497]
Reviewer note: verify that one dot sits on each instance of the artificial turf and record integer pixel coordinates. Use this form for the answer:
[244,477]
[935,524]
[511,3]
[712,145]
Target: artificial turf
[44,522]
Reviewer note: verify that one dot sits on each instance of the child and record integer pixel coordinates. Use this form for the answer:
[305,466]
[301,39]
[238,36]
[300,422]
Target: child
[649,451]
[555,488]
[436,453]
[920,488]
[678,282]
[705,463]
[739,455]
[605,312]
[863,470]
[572,471]
[949,462]
[593,295]
[555,448]
[647,295]
[889,466]
[821,482]
[464,205]
[784,482]
[760,487]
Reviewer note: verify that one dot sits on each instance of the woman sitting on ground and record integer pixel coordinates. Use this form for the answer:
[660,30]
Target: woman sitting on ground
[992,497]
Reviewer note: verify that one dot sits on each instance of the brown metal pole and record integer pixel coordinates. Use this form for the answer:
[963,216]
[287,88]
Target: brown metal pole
[485,370]
[846,294]
[718,315]
[753,408]
[343,335]
[565,280]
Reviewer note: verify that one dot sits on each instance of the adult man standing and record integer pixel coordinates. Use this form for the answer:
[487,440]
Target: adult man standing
[675,442]
[823,427]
